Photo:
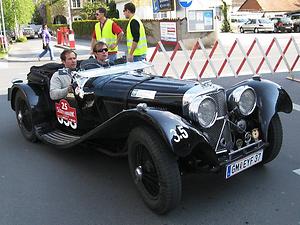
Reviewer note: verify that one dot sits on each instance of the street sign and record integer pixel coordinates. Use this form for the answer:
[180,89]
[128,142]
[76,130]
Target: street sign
[185,3]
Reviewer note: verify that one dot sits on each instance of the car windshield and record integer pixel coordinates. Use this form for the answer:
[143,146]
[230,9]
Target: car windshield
[264,21]
[286,20]
[122,68]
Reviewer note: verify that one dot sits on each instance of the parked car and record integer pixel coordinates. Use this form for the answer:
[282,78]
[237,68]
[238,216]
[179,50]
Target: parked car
[166,127]
[237,21]
[258,25]
[35,27]
[282,24]
[28,32]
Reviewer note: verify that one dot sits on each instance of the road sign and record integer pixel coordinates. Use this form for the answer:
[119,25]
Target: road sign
[185,3]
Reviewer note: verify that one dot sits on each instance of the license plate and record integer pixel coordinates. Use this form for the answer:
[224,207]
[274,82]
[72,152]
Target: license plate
[244,163]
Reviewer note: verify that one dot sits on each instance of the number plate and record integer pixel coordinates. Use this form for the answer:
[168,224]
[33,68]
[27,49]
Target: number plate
[242,164]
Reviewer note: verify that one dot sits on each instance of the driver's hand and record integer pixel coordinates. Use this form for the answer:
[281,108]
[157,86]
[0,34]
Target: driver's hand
[70,89]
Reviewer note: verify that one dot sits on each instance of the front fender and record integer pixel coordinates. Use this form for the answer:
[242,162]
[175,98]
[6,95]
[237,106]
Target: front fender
[271,98]
[177,133]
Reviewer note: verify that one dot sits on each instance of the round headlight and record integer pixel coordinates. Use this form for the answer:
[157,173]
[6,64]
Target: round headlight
[203,110]
[245,98]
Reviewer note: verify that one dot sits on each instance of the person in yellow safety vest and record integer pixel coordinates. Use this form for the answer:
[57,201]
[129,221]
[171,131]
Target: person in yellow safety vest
[136,36]
[107,31]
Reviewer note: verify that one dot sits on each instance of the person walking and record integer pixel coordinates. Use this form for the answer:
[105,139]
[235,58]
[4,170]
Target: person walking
[46,37]
[107,31]
[136,36]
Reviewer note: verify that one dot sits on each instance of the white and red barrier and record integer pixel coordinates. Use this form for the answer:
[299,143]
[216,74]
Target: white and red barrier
[199,71]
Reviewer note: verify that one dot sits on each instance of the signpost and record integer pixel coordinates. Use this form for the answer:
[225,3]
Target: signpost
[162,5]
[185,3]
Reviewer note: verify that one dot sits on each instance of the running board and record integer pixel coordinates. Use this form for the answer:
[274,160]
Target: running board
[57,137]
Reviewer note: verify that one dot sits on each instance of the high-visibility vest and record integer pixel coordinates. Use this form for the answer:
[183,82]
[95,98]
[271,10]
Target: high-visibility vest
[106,35]
[141,48]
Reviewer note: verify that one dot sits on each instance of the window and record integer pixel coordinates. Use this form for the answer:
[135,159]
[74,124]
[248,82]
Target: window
[75,3]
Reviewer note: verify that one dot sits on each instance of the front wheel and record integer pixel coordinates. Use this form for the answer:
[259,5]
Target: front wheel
[24,117]
[154,170]
[274,139]
[242,30]
[256,30]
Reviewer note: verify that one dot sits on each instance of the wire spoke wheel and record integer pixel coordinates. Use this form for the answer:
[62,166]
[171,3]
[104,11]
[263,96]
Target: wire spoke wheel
[24,117]
[154,170]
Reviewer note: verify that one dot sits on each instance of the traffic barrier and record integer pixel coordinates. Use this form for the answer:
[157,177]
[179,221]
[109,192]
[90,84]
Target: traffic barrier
[66,37]
[227,60]
[71,39]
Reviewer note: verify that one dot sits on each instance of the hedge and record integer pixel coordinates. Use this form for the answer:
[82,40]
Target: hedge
[85,28]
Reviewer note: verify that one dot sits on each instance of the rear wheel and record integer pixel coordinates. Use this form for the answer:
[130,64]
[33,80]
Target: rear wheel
[24,117]
[242,30]
[255,30]
[274,139]
[154,170]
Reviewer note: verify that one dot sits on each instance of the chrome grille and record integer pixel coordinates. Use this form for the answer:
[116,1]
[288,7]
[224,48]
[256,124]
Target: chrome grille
[215,131]
[219,97]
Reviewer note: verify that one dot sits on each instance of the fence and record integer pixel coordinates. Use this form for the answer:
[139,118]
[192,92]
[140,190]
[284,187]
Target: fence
[260,57]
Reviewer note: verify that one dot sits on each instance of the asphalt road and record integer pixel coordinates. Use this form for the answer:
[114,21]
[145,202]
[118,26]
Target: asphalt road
[41,185]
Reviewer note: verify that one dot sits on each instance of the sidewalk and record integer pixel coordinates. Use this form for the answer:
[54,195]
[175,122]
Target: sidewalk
[29,51]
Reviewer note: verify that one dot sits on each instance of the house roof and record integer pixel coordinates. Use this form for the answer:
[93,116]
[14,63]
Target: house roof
[271,5]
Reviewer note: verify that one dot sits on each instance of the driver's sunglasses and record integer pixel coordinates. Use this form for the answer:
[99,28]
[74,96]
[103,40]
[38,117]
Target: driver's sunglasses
[102,50]
[97,14]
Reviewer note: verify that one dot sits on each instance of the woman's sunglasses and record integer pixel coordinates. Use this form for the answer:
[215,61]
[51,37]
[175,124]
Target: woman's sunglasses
[102,50]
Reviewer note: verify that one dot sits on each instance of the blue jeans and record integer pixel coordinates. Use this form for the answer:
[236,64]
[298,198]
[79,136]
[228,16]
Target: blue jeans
[139,58]
[50,52]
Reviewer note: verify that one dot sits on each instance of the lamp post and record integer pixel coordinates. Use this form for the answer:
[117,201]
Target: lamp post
[70,13]
[3,25]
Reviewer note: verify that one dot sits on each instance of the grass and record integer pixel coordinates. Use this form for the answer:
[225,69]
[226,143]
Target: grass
[2,54]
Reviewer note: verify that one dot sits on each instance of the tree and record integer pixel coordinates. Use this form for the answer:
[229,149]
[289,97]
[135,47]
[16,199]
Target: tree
[225,25]
[17,13]
[113,12]
[89,9]
[37,18]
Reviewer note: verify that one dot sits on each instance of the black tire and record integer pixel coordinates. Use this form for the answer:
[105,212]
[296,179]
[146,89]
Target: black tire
[154,170]
[274,139]
[24,117]
[242,30]
[256,30]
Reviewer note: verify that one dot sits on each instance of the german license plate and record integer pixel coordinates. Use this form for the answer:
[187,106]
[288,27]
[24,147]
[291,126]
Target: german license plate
[244,163]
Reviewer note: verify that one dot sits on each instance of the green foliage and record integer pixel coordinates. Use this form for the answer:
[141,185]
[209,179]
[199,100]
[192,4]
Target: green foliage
[21,39]
[113,12]
[48,13]
[9,14]
[37,18]
[225,25]
[17,11]
[54,27]
[85,28]
[89,9]
[2,54]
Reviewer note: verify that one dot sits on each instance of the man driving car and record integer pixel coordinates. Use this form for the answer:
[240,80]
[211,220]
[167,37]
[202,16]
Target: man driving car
[61,81]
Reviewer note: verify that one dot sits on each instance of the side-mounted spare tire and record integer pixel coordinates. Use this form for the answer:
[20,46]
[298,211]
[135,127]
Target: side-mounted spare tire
[154,169]
[24,117]
[275,135]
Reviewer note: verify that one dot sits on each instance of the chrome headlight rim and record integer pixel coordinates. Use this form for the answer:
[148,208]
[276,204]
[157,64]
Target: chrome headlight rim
[237,95]
[194,108]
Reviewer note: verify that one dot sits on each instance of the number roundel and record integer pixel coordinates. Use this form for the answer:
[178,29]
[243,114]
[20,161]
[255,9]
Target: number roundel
[179,134]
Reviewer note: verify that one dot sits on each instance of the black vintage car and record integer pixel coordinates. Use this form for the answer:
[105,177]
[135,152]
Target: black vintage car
[166,127]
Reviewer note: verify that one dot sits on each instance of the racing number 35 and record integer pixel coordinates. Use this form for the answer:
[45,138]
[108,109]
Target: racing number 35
[179,134]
